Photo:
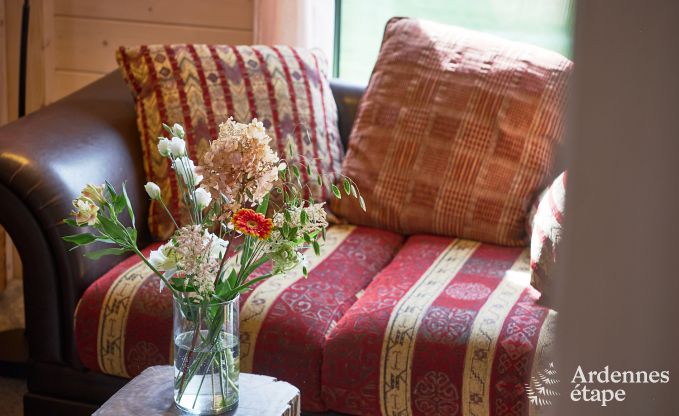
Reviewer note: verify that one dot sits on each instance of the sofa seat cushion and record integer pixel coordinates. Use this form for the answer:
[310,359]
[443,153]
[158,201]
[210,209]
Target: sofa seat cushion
[123,323]
[449,325]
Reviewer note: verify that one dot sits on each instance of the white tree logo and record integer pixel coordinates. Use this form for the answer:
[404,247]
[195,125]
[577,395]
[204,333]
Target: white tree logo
[541,389]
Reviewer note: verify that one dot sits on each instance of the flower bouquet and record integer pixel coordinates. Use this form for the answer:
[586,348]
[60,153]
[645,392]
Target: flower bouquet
[245,207]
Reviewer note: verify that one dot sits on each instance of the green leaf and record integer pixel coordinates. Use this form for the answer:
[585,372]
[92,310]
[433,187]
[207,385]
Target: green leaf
[317,248]
[288,217]
[118,204]
[96,255]
[303,217]
[347,186]
[319,179]
[308,169]
[305,271]
[264,205]
[111,190]
[80,239]
[71,222]
[336,191]
[354,193]
[307,238]
[295,171]
[129,205]
[113,230]
[361,202]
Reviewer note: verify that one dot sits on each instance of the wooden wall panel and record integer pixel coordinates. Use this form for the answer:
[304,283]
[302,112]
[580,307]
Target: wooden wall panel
[87,32]
[235,14]
[89,44]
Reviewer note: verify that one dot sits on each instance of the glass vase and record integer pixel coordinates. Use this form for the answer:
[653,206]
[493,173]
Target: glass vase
[206,356]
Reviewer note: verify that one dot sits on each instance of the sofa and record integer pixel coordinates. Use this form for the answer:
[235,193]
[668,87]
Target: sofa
[385,323]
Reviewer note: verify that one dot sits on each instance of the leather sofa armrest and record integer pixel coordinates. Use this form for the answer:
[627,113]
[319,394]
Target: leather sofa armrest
[45,160]
[347,96]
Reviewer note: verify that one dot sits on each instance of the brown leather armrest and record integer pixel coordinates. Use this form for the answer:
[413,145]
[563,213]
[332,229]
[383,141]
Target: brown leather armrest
[347,96]
[45,160]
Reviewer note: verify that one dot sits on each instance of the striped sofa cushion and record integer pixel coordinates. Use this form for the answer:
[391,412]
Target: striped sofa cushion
[123,324]
[455,133]
[449,327]
[200,86]
[547,233]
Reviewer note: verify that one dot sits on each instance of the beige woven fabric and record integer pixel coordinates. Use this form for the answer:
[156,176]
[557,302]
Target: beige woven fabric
[455,133]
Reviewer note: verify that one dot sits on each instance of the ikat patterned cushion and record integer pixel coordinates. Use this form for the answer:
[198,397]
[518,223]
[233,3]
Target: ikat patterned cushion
[200,86]
[455,133]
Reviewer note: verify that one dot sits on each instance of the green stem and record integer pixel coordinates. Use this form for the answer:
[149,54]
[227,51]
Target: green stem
[169,214]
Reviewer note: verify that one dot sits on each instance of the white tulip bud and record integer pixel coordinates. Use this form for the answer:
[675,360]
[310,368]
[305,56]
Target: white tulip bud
[178,130]
[164,147]
[153,190]
[177,147]
[203,198]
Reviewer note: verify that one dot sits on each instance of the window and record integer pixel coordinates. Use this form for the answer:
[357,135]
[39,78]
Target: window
[546,23]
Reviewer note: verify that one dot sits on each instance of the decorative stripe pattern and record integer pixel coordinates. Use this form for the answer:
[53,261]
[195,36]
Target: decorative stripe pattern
[446,329]
[405,321]
[455,133]
[200,86]
[260,300]
[484,336]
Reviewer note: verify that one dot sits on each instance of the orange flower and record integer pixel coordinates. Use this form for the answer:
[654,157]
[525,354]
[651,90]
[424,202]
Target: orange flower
[252,223]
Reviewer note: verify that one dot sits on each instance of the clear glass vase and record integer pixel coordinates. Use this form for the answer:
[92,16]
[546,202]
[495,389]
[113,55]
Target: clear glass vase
[206,356]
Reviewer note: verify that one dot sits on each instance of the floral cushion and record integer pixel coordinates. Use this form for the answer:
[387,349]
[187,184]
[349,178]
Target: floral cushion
[547,233]
[123,324]
[449,325]
[455,133]
[200,86]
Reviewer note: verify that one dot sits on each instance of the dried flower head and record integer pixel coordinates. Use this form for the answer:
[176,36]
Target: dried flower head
[240,166]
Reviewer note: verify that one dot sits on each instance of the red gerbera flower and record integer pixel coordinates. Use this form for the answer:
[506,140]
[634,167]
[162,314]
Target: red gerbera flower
[252,223]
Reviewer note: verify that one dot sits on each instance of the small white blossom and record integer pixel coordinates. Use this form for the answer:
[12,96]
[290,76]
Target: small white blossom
[203,198]
[85,211]
[177,147]
[164,258]
[164,147]
[178,130]
[153,190]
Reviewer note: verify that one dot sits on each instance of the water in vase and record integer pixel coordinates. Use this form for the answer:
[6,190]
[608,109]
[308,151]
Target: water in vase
[206,377]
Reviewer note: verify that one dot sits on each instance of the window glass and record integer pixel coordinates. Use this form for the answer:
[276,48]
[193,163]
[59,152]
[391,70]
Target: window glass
[546,23]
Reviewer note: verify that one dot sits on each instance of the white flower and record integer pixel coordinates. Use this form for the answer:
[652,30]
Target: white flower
[186,169]
[203,198]
[153,190]
[177,147]
[164,147]
[217,245]
[282,166]
[178,130]
[255,130]
[85,211]
[164,258]
[94,193]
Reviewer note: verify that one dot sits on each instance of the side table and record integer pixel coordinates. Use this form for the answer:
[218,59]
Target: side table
[150,394]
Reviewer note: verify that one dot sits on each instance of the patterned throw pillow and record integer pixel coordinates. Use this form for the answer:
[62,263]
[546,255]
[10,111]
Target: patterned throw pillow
[547,232]
[200,86]
[455,133]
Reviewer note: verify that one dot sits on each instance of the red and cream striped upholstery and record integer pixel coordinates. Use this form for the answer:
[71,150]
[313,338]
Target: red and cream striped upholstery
[450,327]
[123,324]
[547,232]
[455,133]
[200,86]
